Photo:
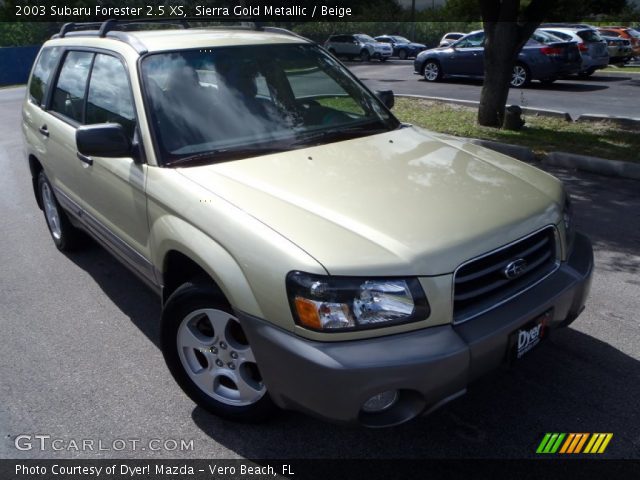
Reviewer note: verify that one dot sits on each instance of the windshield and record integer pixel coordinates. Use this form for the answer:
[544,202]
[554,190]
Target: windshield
[218,104]
[401,40]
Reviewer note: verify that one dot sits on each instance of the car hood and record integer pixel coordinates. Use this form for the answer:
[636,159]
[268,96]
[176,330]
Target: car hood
[406,202]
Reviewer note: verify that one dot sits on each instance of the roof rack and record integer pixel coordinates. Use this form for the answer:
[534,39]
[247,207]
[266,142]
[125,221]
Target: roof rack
[110,28]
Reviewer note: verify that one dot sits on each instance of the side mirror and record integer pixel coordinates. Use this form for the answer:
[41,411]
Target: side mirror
[386,97]
[103,140]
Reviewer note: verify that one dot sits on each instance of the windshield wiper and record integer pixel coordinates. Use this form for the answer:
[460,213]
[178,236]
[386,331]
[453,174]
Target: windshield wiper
[224,154]
[338,133]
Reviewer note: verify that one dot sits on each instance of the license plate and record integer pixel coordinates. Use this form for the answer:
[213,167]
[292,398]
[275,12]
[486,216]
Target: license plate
[525,338]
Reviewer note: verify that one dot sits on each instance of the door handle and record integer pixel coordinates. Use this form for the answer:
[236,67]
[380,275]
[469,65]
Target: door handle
[44,131]
[84,158]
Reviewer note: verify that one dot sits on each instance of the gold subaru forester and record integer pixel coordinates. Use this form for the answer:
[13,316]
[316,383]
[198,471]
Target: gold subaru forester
[311,252]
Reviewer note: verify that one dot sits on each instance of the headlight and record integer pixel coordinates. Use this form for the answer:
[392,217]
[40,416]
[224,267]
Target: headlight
[567,217]
[326,303]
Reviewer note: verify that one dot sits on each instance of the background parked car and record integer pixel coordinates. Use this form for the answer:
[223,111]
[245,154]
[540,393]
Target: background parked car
[448,38]
[628,33]
[402,47]
[544,57]
[358,45]
[619,48]
[591,45]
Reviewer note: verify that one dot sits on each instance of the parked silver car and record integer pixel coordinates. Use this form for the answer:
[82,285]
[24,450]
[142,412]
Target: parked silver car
[591,45]
[358,45]
[620,51]
[448,38]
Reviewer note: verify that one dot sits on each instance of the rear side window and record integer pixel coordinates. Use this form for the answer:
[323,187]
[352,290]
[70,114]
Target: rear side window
[590,36]
[544,37]
[109,99]
[562,35]
[41,76]
[475,40]
[68,96]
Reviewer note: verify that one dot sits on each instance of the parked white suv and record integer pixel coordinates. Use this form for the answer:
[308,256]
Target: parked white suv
[358,46]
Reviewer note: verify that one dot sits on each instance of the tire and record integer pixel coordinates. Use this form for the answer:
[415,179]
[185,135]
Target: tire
[383,59]
[587,73]
[365,56]
[431,71]
[520,77]
[65,236]
[209,356]
[402,54]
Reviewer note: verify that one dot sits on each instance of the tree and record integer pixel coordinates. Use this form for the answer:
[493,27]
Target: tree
[508,25]
[507,28]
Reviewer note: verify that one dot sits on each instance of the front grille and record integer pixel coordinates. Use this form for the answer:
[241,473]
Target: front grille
[482,284]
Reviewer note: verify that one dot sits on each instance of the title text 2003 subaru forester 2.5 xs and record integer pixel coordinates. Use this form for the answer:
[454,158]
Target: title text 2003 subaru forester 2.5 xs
[312,252]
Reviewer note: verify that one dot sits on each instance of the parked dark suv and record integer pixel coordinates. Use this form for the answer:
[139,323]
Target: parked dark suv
[402,47]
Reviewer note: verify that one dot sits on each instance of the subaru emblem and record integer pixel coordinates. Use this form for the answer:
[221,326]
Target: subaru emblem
[515,269]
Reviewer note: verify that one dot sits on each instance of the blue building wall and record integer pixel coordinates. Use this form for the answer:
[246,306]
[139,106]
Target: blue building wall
[15,64]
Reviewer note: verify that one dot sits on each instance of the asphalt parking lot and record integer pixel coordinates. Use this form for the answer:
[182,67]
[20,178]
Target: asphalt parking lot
[603,93]
[81,359]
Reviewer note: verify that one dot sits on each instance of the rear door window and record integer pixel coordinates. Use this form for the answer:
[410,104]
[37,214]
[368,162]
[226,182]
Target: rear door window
[41,76]
[68,96]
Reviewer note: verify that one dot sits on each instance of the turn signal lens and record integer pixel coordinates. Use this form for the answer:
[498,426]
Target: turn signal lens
[308,313]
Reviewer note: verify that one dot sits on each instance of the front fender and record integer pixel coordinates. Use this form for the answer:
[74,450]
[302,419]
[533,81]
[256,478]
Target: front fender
[172,233]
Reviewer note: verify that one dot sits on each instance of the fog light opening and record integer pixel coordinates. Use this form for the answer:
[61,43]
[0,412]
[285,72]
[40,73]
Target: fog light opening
[380,402]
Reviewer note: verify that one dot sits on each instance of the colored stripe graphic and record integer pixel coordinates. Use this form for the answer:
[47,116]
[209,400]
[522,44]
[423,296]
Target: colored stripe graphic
[598,442]
[550,443]
[573,443]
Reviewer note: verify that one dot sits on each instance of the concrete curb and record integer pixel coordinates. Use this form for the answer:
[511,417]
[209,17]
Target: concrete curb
[621,121]
[601,166]
[516,151]
[539,112]
[584,163]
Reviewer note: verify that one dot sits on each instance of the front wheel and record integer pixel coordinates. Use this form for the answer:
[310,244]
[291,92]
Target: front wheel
[431,71]
[209,355]
[365,56]
[520,77]
[402,54]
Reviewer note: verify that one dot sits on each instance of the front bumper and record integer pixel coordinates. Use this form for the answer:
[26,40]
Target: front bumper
[428,367]
[381,54]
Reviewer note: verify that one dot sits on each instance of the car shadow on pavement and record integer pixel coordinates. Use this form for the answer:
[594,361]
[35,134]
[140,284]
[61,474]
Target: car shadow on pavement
[572,383]
[599,205]
[122,287]
[558,85]
[616,77]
